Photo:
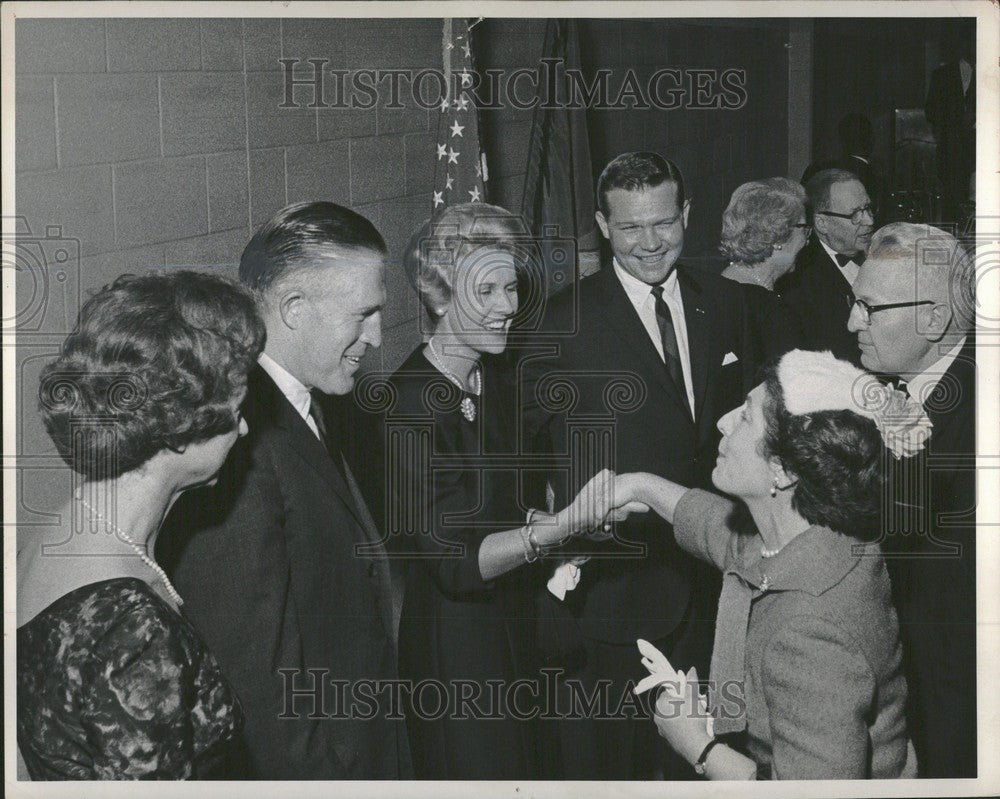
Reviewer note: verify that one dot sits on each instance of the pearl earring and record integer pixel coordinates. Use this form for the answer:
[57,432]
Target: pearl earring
[777,246]
[440,311]
[774,487]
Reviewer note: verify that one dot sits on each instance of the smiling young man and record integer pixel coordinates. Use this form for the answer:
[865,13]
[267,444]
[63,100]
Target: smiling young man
[266,560]
[913,319]
[819,289]
[657,353]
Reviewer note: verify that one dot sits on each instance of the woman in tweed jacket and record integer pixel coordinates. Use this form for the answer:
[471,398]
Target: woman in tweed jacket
[806,678]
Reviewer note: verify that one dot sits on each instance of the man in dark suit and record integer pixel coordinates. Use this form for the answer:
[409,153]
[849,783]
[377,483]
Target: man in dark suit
[819,289]
[633,369]
[950,107]
[913,320]
[280,564]
[855,134]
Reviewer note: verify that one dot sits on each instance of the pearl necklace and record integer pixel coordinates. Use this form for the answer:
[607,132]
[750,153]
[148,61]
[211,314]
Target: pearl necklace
[111,526]
[468,406]
[769,553]
[750,274]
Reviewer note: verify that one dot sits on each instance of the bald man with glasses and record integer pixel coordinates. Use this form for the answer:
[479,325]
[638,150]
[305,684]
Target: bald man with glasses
[913,316]
[819,289]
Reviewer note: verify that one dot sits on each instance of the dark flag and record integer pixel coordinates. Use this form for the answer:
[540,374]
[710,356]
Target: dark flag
[558,201]
[460,175]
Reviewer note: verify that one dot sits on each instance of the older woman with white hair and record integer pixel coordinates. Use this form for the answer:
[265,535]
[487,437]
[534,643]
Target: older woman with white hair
[806,676]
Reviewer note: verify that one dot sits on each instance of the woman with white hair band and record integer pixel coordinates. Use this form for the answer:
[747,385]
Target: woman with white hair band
[806,679]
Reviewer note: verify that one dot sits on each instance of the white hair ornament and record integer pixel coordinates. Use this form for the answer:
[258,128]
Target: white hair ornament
[817,381]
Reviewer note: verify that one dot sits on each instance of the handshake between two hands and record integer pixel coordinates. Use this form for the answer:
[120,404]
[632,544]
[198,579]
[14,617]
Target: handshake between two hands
[606,498]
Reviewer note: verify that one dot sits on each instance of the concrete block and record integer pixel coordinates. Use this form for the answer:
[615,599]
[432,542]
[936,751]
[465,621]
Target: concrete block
[35,122]
[319,172]
[377,168]
[160,200]
[202,112]
[53,46]
[267,184]
[222,44]
[107,118]
[79,200]
[228,191]
[144,44]
[270,125]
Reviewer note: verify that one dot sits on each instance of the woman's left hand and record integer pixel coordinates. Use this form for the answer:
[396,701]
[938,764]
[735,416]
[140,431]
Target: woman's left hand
[681,713]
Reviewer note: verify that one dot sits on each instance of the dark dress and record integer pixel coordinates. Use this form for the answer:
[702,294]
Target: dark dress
[452,489]
[113,684]
[774,326]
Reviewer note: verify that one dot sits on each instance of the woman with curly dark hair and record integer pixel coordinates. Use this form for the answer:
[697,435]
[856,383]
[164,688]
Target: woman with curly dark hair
[806,679]
[142,404]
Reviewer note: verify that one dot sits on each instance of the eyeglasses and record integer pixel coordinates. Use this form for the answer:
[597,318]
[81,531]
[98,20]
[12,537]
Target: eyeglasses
[867,310]
[855,216]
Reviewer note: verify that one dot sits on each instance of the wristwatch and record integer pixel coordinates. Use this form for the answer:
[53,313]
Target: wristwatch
[699,764]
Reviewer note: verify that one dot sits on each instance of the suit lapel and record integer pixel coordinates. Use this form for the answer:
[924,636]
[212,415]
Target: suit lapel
[699,334]
[620,314]
[303,440]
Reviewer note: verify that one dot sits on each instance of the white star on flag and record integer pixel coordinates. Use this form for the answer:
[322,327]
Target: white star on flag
[458,176]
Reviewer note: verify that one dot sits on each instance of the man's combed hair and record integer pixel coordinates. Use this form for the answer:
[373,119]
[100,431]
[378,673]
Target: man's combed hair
[155,362]
[760,214]
[301,232]
[819,185]
[837,457]
[638,172]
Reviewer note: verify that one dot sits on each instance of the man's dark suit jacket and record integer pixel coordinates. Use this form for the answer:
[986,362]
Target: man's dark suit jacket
[935,590]
[821,298]
[610,372]
[266,563]
[952,115]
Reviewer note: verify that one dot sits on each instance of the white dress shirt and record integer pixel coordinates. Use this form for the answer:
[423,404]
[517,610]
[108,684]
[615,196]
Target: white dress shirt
[848,270]
[641,296]
[296,393]
[921,386]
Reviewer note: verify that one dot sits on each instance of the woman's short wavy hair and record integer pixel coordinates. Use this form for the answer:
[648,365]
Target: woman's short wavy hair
[836,457]
[155,362]
[438,246]
[760,214]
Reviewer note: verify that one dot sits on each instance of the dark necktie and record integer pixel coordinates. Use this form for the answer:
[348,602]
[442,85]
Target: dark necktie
[316,412]
[843,260]
[671,353]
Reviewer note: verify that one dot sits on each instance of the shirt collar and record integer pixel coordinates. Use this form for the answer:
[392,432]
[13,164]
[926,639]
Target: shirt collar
[923,385]
[831,252]
[637,291]
[289,385]
[814,561]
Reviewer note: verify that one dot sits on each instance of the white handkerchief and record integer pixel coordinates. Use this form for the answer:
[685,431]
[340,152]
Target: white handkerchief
[730,358]
[565,578]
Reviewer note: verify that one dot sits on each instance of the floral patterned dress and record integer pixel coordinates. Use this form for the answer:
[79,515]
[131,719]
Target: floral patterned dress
[113,684]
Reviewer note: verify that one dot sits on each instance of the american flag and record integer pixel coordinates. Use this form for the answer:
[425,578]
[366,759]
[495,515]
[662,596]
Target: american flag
[460,175]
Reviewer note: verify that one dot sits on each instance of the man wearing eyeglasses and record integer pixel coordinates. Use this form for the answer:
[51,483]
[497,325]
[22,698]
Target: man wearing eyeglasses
[819,290]
[913,317]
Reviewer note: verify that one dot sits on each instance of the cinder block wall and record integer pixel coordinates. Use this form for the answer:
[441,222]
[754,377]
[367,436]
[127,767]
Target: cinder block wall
[159,143]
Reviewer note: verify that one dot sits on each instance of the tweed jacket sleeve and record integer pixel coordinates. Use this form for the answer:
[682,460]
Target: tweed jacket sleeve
[819,688]
[704,527]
